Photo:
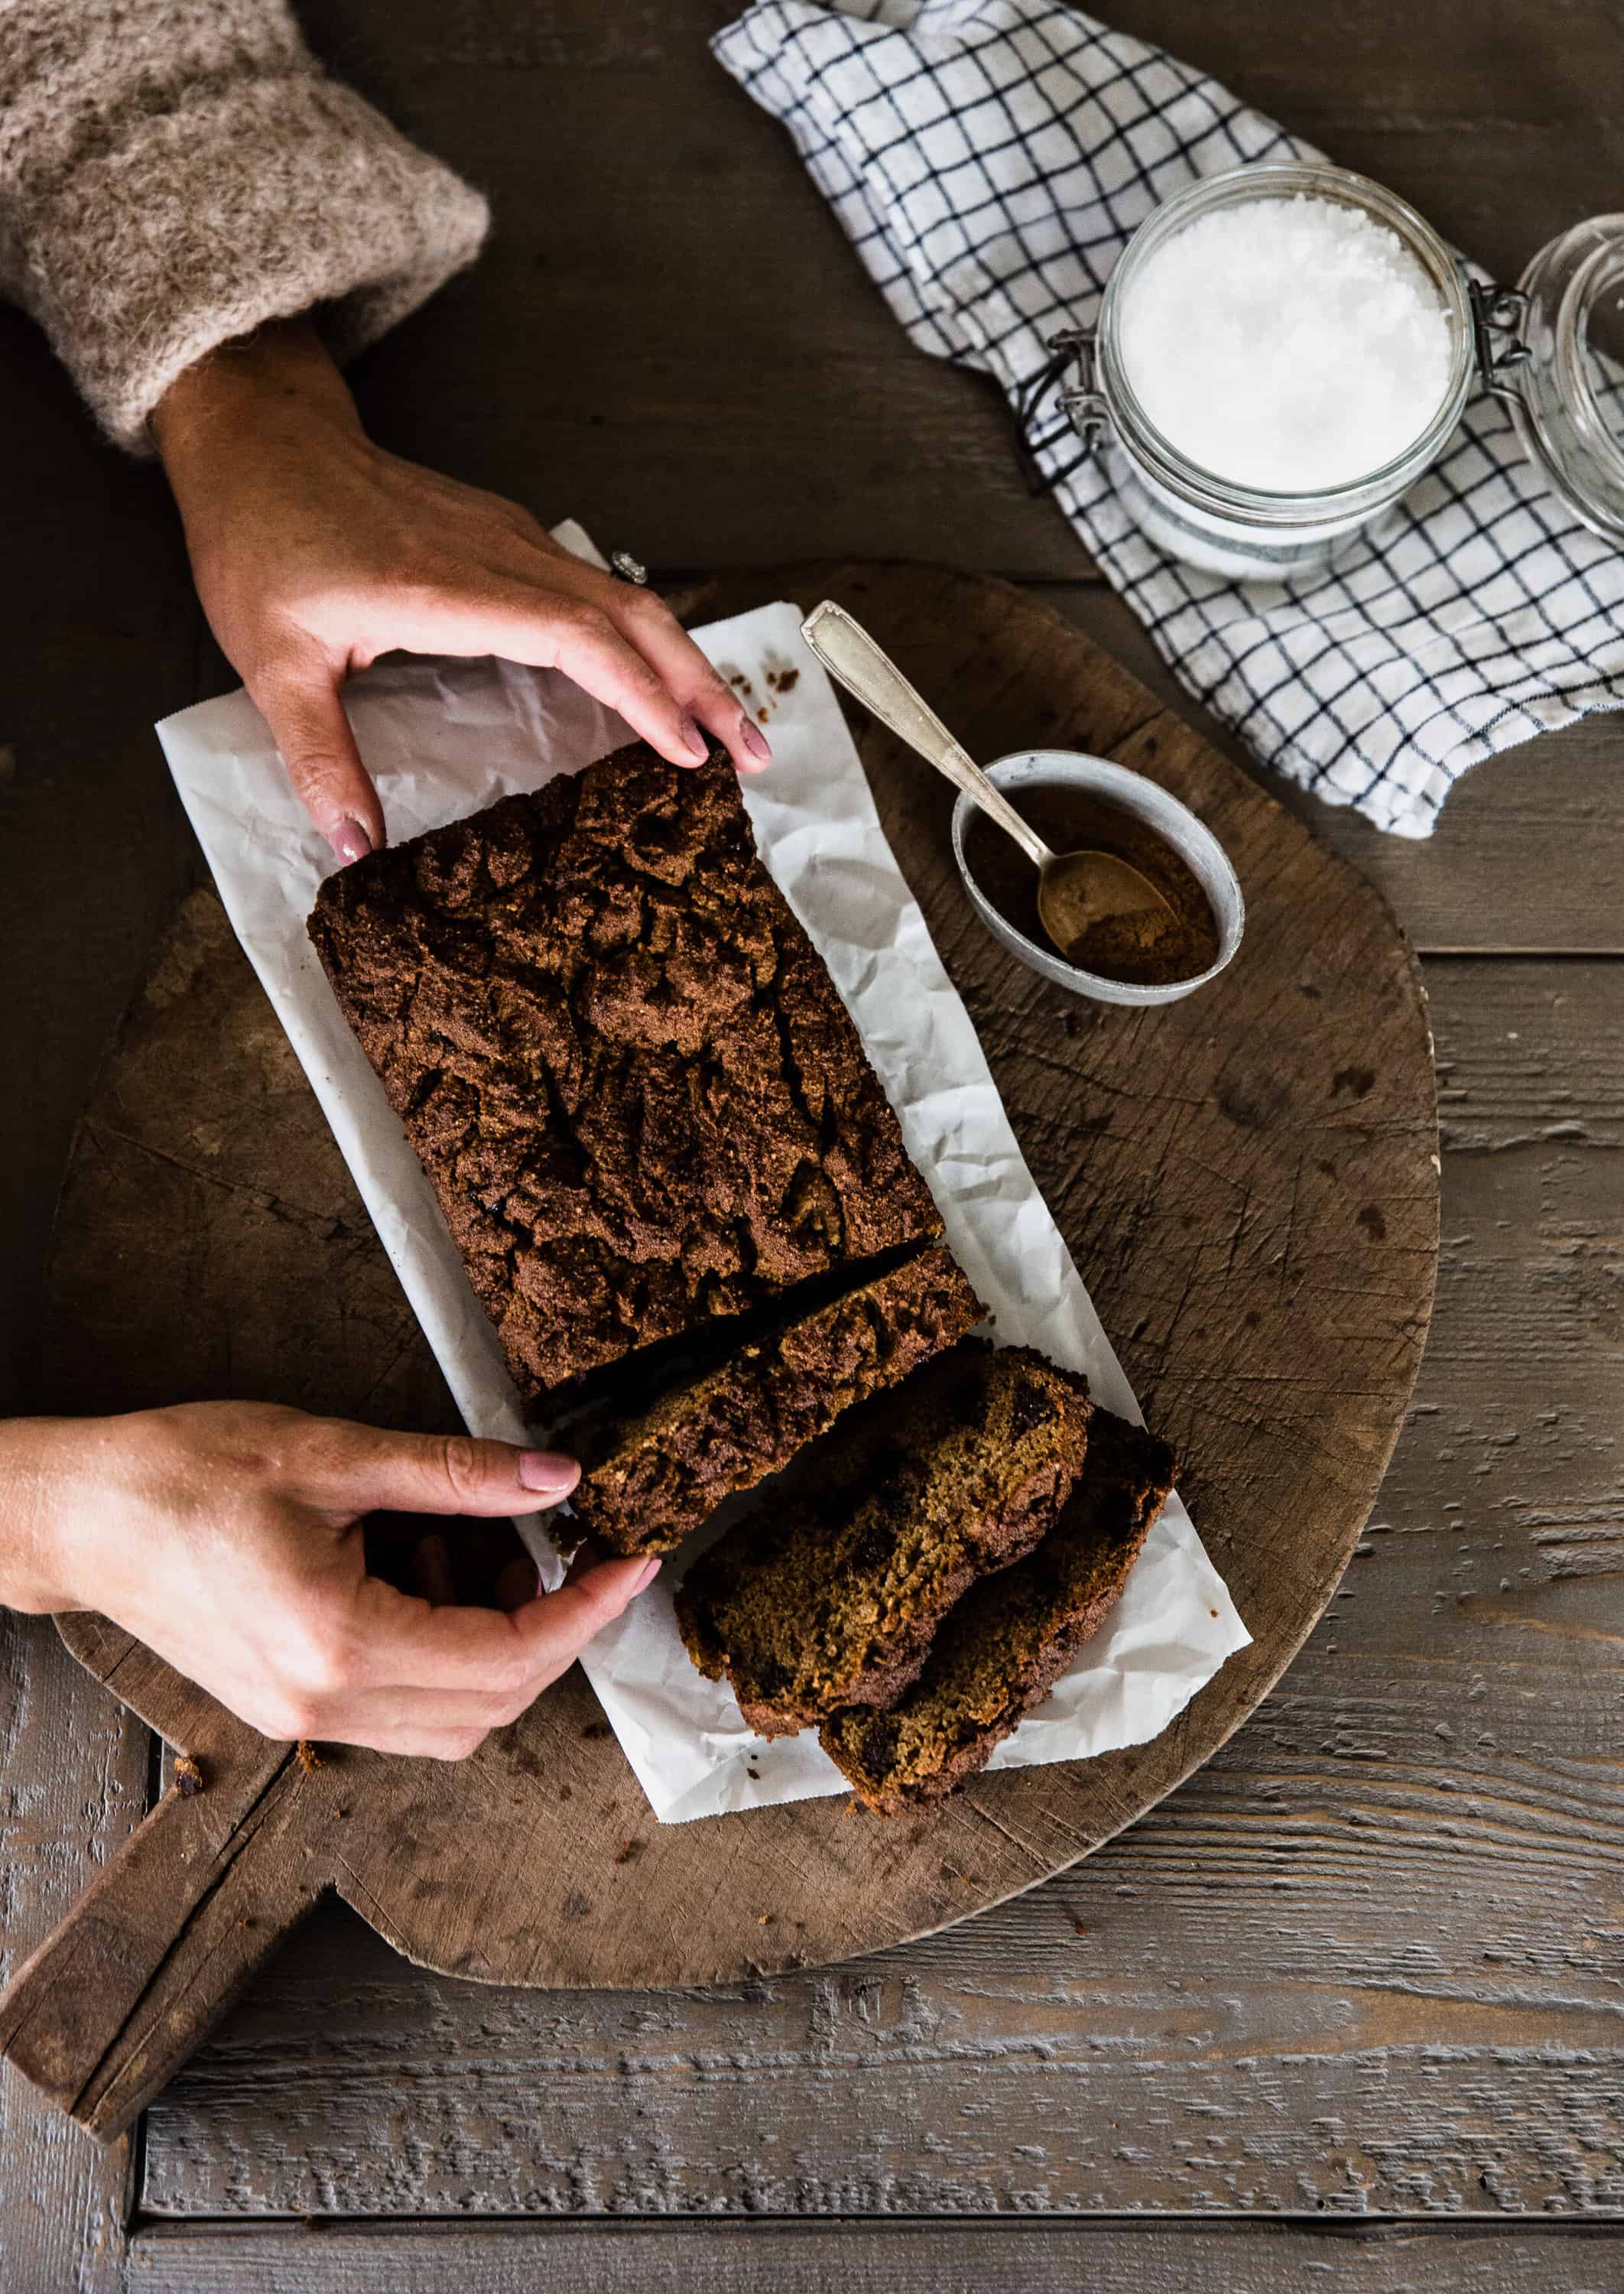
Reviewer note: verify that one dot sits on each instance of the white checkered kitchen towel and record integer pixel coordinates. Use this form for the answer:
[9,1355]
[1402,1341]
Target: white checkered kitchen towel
[989,160]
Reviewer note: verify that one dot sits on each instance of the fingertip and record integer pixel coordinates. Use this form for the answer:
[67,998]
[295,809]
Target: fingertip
[614,1585]
[350,843]
[673,747]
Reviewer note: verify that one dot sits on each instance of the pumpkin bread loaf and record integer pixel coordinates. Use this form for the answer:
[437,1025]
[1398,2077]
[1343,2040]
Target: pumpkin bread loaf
[622,1064]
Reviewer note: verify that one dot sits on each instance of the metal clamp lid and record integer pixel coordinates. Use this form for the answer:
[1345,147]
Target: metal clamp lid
[1083,406]
[1498,311]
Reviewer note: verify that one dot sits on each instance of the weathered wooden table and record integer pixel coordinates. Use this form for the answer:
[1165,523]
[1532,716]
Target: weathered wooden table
[1362,1977]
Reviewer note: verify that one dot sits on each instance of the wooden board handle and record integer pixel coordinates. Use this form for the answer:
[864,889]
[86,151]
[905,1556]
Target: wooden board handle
[111,2004]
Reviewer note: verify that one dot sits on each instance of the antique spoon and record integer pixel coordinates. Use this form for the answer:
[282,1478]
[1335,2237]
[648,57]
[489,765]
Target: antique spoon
[1075,890]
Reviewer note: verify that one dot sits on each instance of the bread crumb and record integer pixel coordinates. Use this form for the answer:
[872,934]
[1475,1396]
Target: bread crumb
[309,1758]
[188,1778]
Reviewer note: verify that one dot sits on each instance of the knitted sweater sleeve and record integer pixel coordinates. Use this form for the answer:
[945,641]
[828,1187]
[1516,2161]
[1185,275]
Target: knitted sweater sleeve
[172,173]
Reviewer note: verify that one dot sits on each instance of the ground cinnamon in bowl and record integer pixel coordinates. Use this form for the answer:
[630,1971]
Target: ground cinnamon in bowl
[1147,950]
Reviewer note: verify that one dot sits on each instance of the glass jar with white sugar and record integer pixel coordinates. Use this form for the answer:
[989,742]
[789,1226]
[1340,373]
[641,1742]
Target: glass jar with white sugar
[1282,351]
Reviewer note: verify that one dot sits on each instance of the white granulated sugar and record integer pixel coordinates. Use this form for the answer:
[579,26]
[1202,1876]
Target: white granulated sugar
[1285,344]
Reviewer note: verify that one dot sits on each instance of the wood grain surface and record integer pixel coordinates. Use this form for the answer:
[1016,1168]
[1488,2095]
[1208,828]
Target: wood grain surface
[1120,2257]
[670,319]
[1367,1962]
[1248,1179]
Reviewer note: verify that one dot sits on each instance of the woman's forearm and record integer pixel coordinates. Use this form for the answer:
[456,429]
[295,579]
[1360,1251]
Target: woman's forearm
[283,373]
[167,183]
[35,1570]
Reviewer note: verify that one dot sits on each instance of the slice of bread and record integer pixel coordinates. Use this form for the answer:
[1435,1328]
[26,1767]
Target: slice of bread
[648,1480]
[831,1598]
[1003,1648]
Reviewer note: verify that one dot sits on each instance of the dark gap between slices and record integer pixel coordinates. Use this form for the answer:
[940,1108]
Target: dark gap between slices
[650,1478]
[637,1380]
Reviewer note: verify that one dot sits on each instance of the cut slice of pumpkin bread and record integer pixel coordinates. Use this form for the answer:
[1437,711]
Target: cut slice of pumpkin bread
[1007,1643]
[830,1597]
[648,1480]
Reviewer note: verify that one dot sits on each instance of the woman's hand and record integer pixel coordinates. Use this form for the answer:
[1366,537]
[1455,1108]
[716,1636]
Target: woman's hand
[227,1536]
[314,551]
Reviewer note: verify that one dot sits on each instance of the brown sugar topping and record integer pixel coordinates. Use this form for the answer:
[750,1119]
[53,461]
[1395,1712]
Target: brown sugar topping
[623,1066]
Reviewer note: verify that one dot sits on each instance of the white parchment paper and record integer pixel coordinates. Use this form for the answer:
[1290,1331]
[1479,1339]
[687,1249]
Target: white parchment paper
[442,738]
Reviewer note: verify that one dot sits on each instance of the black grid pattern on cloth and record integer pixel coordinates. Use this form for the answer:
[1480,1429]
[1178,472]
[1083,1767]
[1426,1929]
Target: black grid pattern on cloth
[989,160]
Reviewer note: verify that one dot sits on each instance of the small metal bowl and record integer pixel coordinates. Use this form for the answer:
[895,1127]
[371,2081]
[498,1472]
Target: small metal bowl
[1173,822]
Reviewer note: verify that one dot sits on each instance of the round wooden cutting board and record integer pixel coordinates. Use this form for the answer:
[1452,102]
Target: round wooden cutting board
[1247,1180]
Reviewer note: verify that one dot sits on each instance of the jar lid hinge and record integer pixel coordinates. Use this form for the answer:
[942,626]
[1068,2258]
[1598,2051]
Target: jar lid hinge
[1498,312]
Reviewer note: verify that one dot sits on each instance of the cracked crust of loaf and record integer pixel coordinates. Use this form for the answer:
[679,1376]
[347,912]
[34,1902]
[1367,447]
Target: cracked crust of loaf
[624,1068]
[1002,1650]
[647,1481]
[831,1598]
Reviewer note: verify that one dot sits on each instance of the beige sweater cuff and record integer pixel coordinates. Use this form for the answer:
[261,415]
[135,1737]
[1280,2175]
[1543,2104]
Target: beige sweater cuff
[246,199]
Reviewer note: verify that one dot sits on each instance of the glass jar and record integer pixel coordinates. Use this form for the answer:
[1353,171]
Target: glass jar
[1531,345]
[1563,373]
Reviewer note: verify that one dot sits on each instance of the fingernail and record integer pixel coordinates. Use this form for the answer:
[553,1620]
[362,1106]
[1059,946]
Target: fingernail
[645,1576]
[693,740]
[548,1469]
[349,841]
[756,741]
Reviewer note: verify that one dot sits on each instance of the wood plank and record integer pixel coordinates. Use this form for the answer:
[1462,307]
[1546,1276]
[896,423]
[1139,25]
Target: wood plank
[1528,857]
[1386,89]
[720,329]
[1367,1961]
[101,639]
[736,459]
[73,1778]
[1124,2257]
